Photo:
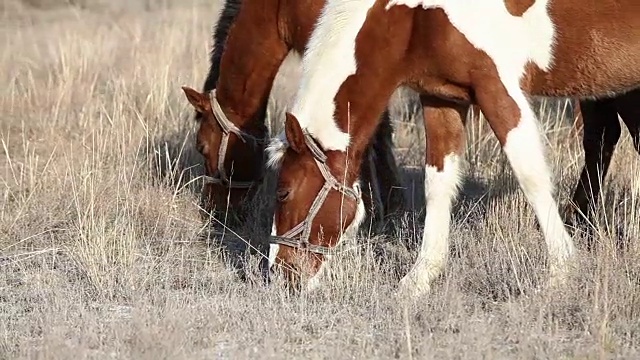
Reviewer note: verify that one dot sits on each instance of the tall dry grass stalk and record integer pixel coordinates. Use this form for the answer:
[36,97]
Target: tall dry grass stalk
[103,253]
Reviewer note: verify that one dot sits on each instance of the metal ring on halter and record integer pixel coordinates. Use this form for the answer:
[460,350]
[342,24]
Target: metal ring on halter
[228,128]
[298,236]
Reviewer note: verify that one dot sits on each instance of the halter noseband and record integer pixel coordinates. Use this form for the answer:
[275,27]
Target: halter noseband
[298,236]
[228,128]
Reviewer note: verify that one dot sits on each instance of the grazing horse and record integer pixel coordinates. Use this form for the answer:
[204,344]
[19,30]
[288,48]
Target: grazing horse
[251,40]
[453,56]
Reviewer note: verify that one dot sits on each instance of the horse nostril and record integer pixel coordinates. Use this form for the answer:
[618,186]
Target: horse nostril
[283,194]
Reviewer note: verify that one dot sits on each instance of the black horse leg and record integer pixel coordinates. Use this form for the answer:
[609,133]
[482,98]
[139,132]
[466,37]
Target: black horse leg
[600,136]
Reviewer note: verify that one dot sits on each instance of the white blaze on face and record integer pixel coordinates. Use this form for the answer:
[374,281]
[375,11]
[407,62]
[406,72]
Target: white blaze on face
[273,248]
[441,188]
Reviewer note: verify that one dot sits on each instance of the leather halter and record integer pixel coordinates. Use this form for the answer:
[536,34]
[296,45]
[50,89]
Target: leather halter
[298,236]
[228,128]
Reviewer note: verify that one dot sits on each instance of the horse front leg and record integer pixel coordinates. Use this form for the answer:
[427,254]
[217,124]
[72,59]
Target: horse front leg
[391,190]
[444,128]
[371,194]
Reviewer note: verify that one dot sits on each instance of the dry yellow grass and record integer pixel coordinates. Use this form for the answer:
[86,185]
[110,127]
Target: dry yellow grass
[102,251]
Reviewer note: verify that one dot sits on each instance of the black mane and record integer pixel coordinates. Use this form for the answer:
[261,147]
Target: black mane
[227,17]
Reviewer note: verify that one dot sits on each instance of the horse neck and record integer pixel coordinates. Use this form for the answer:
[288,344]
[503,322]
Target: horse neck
[252,56]
[246,111]
[242,96]
[345,166]
[361,116]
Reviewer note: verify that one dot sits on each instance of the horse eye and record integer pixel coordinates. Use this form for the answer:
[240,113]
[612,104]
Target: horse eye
[283,194]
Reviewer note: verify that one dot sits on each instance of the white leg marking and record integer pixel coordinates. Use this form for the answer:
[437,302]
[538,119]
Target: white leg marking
[525,152]
[441,188]
[330,50]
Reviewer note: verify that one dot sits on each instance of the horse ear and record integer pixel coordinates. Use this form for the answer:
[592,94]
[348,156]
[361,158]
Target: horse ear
[199,100]
[294,133]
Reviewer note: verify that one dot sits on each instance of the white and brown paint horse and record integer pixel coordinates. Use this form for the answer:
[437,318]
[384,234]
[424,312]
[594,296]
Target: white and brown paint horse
[251,40]
[493,53]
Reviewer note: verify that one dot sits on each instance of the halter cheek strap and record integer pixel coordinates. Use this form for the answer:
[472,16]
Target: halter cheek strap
[298,236]
[228,128]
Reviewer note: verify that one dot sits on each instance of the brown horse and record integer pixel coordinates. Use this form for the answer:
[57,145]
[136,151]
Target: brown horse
[251,40]
[454,57]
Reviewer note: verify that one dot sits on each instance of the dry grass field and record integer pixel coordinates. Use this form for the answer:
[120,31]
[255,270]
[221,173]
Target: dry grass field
[103,253]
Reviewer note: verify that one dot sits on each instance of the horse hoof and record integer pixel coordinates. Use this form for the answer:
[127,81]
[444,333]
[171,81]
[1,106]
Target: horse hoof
[557,281]
[559,273]
[414,285]
[411,293]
